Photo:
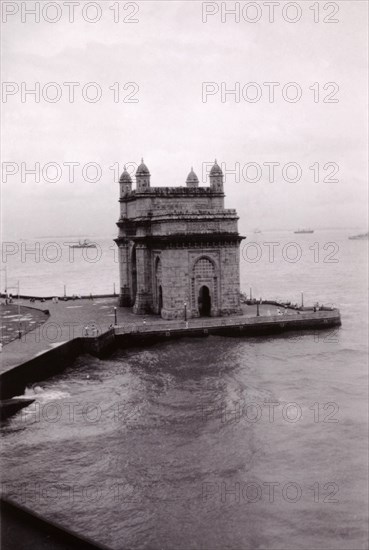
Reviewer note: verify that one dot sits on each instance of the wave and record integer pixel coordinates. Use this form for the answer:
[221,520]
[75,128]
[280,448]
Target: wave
[44,395]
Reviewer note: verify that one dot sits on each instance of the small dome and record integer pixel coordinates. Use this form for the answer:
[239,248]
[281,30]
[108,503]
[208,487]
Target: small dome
[216,170]
[192,179]
[142,170]
[125,177]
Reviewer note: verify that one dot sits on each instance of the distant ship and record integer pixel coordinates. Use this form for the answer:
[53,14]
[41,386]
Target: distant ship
[257,230]
[361,237]
[83,244]
[304,231]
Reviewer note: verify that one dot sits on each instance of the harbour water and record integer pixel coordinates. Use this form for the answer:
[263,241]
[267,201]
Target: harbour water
[210,443]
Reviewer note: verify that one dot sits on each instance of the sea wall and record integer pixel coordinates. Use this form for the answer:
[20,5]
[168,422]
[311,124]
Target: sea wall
[99,345]
[255,326]
[15,380]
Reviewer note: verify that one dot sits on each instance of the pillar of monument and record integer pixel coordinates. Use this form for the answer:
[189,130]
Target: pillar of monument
[143,302]
[124,293]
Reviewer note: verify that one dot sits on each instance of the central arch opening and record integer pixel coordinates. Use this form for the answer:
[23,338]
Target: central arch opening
[204,302]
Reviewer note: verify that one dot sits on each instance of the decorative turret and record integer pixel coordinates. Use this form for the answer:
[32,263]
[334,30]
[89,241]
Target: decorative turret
[216,178]
[142,177]
[192,180]
[125,182]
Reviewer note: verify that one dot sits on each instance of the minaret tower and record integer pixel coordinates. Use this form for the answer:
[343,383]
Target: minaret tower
[216,178]
[125,182]
[192,180]
[142,177]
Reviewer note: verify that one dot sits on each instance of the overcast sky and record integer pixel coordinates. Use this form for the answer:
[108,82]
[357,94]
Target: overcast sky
[169,53]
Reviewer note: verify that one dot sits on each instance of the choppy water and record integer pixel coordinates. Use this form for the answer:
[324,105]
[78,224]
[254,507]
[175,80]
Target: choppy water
[175,446]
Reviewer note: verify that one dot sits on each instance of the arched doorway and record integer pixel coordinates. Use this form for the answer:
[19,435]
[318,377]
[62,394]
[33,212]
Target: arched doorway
[204,302]
[204,288]
[134,275]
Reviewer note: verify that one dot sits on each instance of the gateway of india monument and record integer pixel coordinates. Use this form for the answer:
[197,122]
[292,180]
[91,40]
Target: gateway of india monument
[178,248]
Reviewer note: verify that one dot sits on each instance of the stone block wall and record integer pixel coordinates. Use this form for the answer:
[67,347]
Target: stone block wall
[230,280]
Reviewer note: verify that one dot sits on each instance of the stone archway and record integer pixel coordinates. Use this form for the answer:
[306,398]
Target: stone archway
[204,287]
[204,301]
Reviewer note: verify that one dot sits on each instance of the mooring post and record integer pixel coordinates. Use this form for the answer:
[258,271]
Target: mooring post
[257,309]
[115,316]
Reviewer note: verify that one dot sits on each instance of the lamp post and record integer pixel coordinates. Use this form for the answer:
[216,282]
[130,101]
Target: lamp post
[185,311]
[257,308]
[250,293]
[115,316]
[302,299]
[114,289]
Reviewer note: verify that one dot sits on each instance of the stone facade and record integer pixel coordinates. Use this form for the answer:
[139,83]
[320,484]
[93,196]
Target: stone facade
[178,248]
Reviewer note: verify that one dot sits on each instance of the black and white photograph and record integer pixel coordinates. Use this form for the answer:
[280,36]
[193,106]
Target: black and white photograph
[184,275]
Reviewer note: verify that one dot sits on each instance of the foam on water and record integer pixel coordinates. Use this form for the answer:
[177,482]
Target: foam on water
[45,395]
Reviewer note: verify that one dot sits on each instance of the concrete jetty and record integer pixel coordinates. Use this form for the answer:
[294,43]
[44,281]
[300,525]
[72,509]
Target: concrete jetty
[96,327]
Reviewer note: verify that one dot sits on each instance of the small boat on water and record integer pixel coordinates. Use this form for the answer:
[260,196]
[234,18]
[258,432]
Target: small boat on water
[83,244]
[360,237]
[257,230]
[304,231]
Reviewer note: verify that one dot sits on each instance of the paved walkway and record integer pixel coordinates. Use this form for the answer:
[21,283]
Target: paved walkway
[69,320]
[16,318]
